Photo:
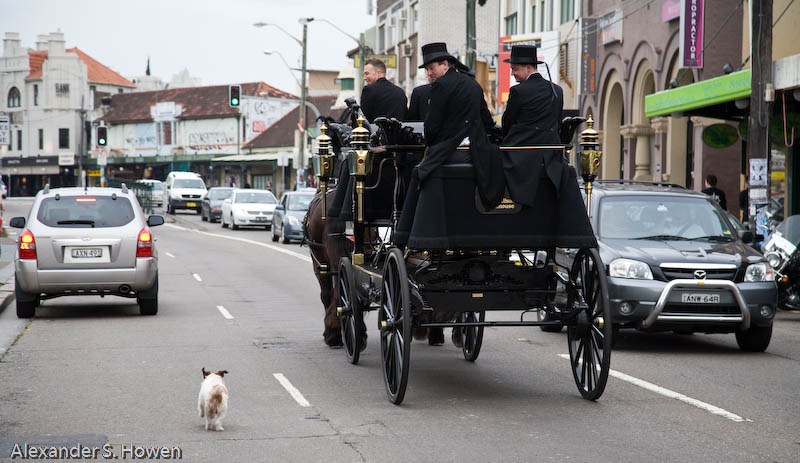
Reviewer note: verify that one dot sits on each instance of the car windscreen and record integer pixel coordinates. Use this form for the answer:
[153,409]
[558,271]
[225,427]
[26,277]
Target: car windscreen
[85,211]
[661,218]
[189,183]
[158,186]
[299,202]
[255,197]
[219,195]
[790,229]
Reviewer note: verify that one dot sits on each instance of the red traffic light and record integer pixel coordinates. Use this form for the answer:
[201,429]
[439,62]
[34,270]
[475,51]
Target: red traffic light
[234,95]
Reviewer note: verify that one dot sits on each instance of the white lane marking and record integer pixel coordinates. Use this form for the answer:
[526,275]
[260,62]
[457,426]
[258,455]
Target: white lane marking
[296,395]
[197,277]
[169,255]
[673,395]
[225,312]
[244,240]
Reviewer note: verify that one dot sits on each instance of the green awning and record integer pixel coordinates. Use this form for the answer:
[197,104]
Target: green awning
[709,92]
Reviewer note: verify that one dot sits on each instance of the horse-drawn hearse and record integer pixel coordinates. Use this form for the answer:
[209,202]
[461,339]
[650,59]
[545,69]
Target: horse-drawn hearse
[434,257]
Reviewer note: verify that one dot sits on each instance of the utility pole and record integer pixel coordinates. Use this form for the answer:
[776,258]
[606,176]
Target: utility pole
[302,124]
[761,82]
[83,148]
[470,44]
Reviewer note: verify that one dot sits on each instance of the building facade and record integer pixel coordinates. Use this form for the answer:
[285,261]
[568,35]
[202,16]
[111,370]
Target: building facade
[49,93]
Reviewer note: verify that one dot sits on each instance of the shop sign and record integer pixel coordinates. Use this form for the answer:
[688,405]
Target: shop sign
[589,56]
[610,27]
[691,33]
[720,135]
[66,159]
[5,130]
[670,9]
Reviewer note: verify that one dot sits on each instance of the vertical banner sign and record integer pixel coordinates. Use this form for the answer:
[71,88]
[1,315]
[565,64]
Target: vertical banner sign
[5,130]
[691,51]
[589,56]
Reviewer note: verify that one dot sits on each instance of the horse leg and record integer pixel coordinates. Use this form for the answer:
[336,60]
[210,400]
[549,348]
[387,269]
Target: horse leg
[333,330]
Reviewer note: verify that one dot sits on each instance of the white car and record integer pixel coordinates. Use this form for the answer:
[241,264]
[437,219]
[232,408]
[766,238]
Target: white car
[248,207]
[156,192]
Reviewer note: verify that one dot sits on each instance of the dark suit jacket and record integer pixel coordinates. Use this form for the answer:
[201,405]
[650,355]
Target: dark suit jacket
[383,98]
[457,109]
[418,108]
[532,117]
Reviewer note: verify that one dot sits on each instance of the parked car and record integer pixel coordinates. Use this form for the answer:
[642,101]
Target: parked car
[185,190]
[675,262]
[212,204]
[248,207]
[157,191]
[78,242]
[287,221]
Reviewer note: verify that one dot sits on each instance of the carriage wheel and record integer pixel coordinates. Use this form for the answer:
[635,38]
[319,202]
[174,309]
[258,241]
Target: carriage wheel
[395,321]
[472,336]
[350,314]
[590,333]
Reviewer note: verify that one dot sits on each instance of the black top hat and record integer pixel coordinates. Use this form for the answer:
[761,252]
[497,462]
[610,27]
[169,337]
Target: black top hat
[435,52]
[523,54]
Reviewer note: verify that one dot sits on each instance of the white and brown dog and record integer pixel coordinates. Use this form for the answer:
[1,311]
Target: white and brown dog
[212,403]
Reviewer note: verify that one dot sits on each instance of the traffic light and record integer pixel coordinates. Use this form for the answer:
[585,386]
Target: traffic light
[102,135]
[234,93]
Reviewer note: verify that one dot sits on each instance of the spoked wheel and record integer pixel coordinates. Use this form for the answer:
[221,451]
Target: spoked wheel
[590,333]
[394,319]
[472,336]
[349,313]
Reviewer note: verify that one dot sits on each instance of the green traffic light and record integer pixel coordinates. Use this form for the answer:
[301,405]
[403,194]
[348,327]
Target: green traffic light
[235,101]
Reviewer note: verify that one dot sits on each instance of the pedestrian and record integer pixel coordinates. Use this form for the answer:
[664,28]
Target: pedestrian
[744,203]
[712,190]
[269,185]
[379,97]
[232,182]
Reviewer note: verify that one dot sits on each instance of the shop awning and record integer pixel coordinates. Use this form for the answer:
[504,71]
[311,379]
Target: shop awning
[248,157]
[711,92]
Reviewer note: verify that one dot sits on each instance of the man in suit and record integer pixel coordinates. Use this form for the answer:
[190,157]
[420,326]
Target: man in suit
[379,97]
[531,118]
[420,99]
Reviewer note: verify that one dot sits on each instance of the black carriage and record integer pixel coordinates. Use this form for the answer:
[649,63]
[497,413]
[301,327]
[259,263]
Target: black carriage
[458,260]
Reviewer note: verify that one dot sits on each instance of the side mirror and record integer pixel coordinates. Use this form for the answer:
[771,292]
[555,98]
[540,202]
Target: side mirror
[17,222]
[279,207]
[747,237]
[155,220]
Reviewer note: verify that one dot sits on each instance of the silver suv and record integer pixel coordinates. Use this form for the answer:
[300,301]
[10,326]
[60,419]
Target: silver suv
[79,242]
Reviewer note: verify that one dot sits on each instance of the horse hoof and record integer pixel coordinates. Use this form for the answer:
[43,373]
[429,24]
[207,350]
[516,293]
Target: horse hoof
[435,336]
[363,344]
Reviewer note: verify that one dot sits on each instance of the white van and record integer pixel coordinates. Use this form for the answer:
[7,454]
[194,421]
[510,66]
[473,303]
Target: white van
[184,190]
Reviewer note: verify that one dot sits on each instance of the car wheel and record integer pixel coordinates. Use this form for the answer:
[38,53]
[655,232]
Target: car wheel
[755,339]
[26,302]
[274,235]
[170,208]
[284,238]
[148,300]
[203,216]
[233,224]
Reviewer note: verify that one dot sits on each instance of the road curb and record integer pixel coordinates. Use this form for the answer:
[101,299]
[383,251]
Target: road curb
[7,295]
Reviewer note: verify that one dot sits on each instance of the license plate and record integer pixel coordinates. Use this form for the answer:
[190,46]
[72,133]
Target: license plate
[87,253]
[260,219]
[191,204]
[700,298]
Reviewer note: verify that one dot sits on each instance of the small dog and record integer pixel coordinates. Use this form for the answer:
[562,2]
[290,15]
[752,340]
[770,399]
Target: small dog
[212,403]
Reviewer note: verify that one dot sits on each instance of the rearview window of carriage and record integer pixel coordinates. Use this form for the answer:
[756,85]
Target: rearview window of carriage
[85,212]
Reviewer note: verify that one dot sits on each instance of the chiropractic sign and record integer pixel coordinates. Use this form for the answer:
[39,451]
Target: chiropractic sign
[691,53]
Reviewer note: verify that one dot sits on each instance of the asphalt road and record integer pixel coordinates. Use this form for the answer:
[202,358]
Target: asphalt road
[94,370]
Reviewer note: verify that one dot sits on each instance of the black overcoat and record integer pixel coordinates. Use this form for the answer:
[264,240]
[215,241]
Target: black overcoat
[457,109]
[532,118]
[418,107]
[383,98]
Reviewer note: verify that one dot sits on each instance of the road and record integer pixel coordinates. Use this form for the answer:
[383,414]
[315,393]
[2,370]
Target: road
[94,370]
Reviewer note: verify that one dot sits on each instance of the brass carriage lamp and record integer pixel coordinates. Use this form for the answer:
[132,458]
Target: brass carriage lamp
[359,160]
[589,159]
[323,163]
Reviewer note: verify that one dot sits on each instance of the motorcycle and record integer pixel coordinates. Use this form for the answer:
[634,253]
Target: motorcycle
[782,254]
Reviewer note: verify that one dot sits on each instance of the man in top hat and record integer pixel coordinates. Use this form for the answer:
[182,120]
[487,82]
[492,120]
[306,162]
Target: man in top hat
[381,97]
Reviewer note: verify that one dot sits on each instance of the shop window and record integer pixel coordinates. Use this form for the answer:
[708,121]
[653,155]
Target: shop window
[41,139]
[63,139]
[19,140]
[14,98]
[260,181]
[541,16]
[36,94]
[533,18]
[567,10]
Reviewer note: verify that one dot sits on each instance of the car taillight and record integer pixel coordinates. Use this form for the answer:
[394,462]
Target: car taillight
[144,246]
[27,245]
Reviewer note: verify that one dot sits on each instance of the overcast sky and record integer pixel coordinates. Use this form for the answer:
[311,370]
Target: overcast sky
[214,39]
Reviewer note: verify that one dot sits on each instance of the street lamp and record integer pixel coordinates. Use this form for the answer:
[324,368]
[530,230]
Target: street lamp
[275,52]
[303,43]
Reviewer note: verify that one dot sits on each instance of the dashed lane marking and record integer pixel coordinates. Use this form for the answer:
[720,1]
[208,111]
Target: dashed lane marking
[245,240]
[673,395]
[225,312]
[169,255]
[296,395]
[197,277]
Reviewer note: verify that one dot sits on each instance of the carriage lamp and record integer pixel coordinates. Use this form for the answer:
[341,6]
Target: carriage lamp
[359,160]
[323,163]
[589,159]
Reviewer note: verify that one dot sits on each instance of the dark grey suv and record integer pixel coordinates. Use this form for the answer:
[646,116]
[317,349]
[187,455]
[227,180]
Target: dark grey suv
[675,262]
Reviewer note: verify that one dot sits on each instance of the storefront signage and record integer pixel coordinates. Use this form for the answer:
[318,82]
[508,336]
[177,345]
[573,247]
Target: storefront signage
[589,56]
[701,94]
[547,44]
[610,27]
[720,135]
[670,9]
[691,33]
[66,159]
[389,60]
[5,130]
[30,161]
